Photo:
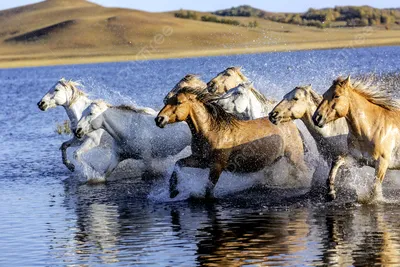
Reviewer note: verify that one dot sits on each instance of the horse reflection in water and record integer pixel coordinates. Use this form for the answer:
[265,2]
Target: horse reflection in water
[361,236]
[229,238]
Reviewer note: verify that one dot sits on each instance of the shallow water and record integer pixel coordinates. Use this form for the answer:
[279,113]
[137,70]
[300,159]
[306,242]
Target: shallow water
[48,218]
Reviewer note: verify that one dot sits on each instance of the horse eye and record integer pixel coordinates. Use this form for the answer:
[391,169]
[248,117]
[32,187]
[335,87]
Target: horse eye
[178,102]
[295,99]
[56,90]
[336,96]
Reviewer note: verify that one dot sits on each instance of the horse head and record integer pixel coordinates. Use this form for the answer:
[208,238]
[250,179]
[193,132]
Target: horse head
[295,104]
[63,93]
[335,103]
[90,120]
[226,80]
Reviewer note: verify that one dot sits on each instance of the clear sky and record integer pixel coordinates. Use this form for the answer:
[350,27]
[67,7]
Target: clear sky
[212,5]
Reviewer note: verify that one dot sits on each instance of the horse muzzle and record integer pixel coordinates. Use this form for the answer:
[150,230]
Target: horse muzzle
[274,117]
[318,120]
[79,133]
[161,121]
[42,105]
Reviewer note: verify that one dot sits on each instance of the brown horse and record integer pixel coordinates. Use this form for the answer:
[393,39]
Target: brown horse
[190,80]
[228,143]
[373,118]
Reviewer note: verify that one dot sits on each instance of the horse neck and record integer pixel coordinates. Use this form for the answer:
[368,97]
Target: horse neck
[308,122]
[319,134]
[199,121]
[361,111]
[75,110]
[257,109]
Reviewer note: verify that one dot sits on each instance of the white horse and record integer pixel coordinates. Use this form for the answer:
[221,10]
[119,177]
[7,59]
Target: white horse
[331,140]
[246,102]
[134,133]
[66,94]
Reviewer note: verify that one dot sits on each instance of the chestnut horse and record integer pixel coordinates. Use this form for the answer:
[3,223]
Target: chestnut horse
[229,144]
[331,140]
[373,118]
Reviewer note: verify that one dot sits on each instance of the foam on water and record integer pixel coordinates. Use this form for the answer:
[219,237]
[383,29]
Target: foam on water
[192,182]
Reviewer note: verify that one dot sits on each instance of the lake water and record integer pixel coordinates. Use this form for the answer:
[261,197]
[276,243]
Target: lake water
[50,219]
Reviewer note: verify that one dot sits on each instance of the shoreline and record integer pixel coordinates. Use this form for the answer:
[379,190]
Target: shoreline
[52,59]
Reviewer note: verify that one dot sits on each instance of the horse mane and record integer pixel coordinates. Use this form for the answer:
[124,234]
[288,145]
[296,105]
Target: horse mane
[315,97]
[189,77]
[238,70]
[76,92]
[220,119]
[146,111]
[373,94]
[260,97]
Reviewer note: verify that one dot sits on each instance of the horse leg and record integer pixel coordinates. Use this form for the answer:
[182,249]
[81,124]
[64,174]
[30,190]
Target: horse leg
[219,163]
[87,145]
[70,143]
[191,161]
[336,164]
[114,161]
[381,167]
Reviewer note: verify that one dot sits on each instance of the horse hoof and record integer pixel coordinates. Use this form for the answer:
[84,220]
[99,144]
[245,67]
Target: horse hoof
[70,167]
[173,194]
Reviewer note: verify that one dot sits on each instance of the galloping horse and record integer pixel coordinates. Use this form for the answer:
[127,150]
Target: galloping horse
[134,133]
[373,118]
[331,140]
[228,143]
[66,94]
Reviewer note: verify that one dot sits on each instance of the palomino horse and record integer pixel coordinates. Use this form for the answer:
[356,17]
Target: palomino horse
[234,98]
[331,140]
[190,80]
[66,94]
[373,118]
[134,133]
[229,144]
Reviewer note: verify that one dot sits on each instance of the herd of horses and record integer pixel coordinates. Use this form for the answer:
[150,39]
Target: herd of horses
[230,126]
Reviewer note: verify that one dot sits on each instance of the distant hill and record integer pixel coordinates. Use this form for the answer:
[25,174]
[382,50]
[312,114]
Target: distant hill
[338,16]
[78,31]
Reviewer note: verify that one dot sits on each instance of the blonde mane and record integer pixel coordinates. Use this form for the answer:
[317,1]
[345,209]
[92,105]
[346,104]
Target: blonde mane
[220,119]
[374,94]
[238,70]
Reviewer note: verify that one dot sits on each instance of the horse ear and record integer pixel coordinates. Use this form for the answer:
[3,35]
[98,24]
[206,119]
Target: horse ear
[309,87]
[347,81]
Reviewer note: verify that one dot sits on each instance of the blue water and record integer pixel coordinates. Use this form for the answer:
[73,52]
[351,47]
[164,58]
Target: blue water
[47,219]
